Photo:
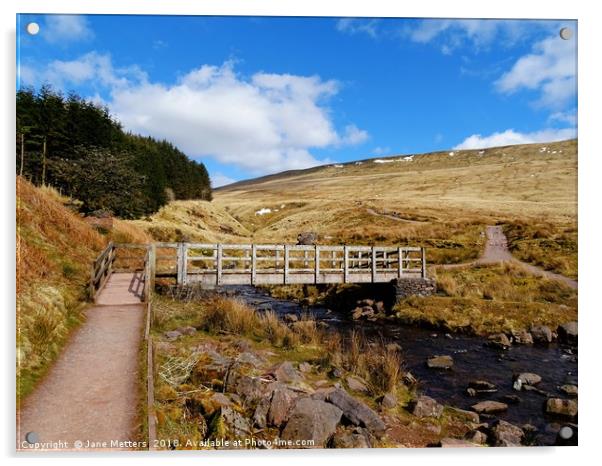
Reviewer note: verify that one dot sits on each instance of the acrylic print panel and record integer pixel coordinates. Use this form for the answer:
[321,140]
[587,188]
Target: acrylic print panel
[249,232]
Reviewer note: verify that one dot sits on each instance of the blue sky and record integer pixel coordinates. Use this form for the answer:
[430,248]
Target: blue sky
[250,96]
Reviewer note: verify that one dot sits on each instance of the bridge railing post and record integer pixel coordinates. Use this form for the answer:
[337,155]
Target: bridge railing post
[345,264]
[317,263]
[373,264]
[423,262]
[253,264]
[286,264]
[399,262]
[218,261]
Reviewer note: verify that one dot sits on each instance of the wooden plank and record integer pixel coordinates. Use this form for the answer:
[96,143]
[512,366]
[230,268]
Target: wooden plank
[218,265]
[253,265]
[286,264]
[345,264]
[373,264]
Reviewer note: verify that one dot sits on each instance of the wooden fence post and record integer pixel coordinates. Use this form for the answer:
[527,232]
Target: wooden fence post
[253,264]
[423,261]
[373,264]
[399,262]
[153,265]
[219,265]
[286,256]
[317,263]
[345,264]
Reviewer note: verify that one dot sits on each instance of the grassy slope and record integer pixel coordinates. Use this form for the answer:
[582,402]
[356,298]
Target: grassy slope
[55,247]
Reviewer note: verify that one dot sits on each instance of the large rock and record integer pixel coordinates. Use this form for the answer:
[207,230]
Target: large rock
[482,386]
[425,406]
[541,334]
[489,407]
[251,389]
[522,337]
[499,340]
[356,384]
[312,420]
[236,424]
[284,372]
[355,437]
[462,413]
[188,330]
[307,238]
[172,335]
[571,390]
[528,378]
[561,407]
[389,400]
[504,434]
[449,442]
[356,412]
[567,333]
[281,405]
[440,362]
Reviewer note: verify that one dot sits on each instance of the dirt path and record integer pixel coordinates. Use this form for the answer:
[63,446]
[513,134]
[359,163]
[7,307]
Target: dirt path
[92,391]
[496,251]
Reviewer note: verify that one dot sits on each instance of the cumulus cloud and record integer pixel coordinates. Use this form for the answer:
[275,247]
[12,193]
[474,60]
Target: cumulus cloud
[263,123]
[550,69]
[91,67]
[66,28]
[511,137]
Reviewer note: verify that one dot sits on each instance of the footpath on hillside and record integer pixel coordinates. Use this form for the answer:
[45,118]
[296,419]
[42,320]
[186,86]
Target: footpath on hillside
[90,398]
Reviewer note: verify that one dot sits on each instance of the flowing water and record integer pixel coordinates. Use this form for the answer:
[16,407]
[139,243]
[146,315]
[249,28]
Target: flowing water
[473,360]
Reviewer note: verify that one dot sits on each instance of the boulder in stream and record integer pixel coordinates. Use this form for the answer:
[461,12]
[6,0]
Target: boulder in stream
[489,407]
[561,407]
[541,334]
[567,333]
[440,362]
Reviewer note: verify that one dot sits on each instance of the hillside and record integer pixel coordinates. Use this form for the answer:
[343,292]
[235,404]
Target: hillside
[55,247]
[441,200]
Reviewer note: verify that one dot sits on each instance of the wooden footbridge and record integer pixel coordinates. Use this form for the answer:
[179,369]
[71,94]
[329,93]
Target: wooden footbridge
[254,264]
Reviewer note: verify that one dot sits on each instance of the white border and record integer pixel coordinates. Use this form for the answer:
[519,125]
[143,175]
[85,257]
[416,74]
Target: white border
[590,195]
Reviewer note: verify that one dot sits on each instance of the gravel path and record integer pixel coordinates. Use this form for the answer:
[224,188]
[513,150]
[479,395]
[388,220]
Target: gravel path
[91,393]
[496,251]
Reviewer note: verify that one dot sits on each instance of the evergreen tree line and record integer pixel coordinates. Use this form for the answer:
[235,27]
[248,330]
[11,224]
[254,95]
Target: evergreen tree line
[76,146]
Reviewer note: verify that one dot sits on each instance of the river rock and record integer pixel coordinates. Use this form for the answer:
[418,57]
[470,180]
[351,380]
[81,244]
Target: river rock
[393,347]
[356,384]
[356,412]
[291,318]
[476,436]
[512,399]
[379,307]
[449,442]
[528,378]
[284,372]
[237,425]
[468,415]
[489,407]
[504,434]
[425,406]
[172,335]
[251,389]
[561,407]
[482,385]
[281,404]
[522,337]
[499,340]
[188,330]
[541,334]
[569,389]
[388,401]
[305,367]
[312,420]
[355,437]
[567,333]
[440,362]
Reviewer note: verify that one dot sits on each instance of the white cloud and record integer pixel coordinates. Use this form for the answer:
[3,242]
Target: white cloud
[65,28]
[356,26]
[264,123]
[218,179]
[511,137]
[549,69]
[91,67]
[478,33]
[569,117]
